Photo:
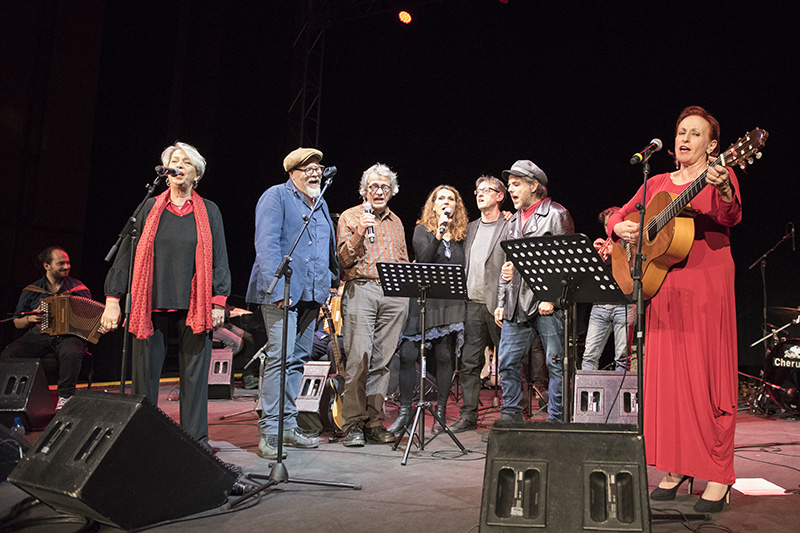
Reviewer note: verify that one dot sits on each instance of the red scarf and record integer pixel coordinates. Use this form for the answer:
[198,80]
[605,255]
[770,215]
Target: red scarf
[199,316]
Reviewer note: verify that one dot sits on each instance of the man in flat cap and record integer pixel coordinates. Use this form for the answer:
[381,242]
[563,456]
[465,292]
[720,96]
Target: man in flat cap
[518,313]
[280,214]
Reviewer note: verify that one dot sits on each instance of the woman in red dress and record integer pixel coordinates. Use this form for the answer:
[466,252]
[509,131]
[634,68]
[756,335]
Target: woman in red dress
[690,363]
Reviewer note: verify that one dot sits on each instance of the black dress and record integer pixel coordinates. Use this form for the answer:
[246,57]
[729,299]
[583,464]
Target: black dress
[444,319]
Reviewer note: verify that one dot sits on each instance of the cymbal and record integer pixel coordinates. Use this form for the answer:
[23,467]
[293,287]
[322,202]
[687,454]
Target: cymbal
[786,311]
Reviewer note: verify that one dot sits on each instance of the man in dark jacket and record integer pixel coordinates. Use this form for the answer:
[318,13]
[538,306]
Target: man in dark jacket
[518,312]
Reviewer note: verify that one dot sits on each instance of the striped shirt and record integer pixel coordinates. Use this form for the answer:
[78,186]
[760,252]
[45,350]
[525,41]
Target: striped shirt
[358,256]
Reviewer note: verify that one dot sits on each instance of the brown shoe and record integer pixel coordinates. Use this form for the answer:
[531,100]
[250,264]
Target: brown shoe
[463,425]
[379,435]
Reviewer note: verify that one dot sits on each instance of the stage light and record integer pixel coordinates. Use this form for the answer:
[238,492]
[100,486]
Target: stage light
[405,17]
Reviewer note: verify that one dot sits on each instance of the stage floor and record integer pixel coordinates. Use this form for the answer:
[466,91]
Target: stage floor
[439,489]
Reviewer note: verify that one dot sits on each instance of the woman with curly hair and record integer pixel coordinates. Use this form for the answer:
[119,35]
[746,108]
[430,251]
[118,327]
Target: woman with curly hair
[438,238]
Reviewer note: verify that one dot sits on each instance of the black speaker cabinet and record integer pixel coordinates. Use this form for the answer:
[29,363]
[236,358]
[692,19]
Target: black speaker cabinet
[24,394]
[564,477]
[120,460]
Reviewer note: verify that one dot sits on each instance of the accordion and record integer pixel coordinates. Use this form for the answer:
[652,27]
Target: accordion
[72,315]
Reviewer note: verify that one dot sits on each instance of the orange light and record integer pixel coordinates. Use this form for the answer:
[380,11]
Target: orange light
[405,17]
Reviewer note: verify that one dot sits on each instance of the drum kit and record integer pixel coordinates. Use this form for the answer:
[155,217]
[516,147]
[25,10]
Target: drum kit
[777,391]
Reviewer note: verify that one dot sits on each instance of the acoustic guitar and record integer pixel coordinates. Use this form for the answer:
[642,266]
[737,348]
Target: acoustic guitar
[335,382]
[669,223]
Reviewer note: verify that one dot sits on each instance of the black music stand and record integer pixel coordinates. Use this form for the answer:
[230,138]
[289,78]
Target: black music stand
[422,280]
[564,269]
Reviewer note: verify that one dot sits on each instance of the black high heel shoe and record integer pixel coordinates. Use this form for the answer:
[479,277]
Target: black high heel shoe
[669,494]
[713,506]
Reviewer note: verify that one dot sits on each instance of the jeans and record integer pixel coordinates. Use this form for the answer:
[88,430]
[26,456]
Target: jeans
[515,342]
[298,352]
[602,319]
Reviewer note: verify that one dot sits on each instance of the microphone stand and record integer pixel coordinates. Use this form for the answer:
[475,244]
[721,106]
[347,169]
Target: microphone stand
[638,296]
[278,472]
[129,230]
[763,262]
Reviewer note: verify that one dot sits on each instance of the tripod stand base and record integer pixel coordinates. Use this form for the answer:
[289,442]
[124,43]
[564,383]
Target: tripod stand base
[418,431]
[279,474]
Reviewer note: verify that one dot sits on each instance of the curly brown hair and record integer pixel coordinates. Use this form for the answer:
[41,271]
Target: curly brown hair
[430,220]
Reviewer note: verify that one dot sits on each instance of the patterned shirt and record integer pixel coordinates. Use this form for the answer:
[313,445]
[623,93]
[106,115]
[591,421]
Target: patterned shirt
[358,256]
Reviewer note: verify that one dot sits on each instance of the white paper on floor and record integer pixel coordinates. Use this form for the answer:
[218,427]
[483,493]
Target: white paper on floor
[758,487]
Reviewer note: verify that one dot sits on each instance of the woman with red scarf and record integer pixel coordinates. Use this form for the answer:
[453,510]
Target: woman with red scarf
[180,284]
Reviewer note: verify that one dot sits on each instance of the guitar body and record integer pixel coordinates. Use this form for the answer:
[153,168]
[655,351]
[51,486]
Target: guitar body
[669,246]
[334,385]
[669,223]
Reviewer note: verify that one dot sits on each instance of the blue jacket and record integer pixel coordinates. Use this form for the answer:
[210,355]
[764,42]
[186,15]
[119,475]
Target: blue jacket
[280,214]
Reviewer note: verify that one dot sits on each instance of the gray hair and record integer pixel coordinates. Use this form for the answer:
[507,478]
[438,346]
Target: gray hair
[381,170]
[198,161]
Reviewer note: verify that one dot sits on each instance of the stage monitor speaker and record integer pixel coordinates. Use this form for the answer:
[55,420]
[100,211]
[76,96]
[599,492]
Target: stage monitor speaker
[220,374]
[564,477]
[120,460]
[24,394]
[310,412]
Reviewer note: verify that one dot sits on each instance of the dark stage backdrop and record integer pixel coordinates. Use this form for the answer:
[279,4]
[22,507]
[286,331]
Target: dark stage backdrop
[95,90]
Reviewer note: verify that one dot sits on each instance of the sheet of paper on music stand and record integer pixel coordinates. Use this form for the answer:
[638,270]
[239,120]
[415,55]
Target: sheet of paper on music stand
[758,487]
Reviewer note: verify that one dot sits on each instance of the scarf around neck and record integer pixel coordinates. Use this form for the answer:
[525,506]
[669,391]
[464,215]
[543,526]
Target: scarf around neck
[199,315]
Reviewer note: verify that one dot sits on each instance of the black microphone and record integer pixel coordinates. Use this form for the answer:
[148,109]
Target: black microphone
[370,229]
[164,171]
[448,213]
[329,172]
[654,146]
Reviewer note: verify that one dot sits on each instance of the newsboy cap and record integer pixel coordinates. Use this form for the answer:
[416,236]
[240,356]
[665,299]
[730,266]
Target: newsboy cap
[299,156]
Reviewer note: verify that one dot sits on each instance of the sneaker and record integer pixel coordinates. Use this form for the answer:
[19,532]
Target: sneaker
[463,424]
[354,437]
[250,382]
[296,438]
[379,435]
[61,402]
[268,447]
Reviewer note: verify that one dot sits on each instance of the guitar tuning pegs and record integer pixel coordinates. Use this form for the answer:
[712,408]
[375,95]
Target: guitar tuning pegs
[758,155]
[749,160]
[742,165]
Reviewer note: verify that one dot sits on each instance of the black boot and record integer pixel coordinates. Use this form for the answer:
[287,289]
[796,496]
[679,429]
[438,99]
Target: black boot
[403,419]
[441,412]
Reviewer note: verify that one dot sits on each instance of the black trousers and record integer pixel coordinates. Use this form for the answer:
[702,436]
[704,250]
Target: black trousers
[194,359]
[480,330]
[443,351]
[69,351]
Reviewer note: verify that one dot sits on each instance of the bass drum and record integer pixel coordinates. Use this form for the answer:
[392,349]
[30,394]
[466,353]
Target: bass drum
[781,369]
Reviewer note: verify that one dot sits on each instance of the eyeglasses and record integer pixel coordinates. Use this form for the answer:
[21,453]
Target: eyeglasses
[375,188]
[485,190]
[310,170]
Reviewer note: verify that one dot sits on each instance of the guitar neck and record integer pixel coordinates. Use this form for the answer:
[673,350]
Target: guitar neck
[680,201]
[337,353]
